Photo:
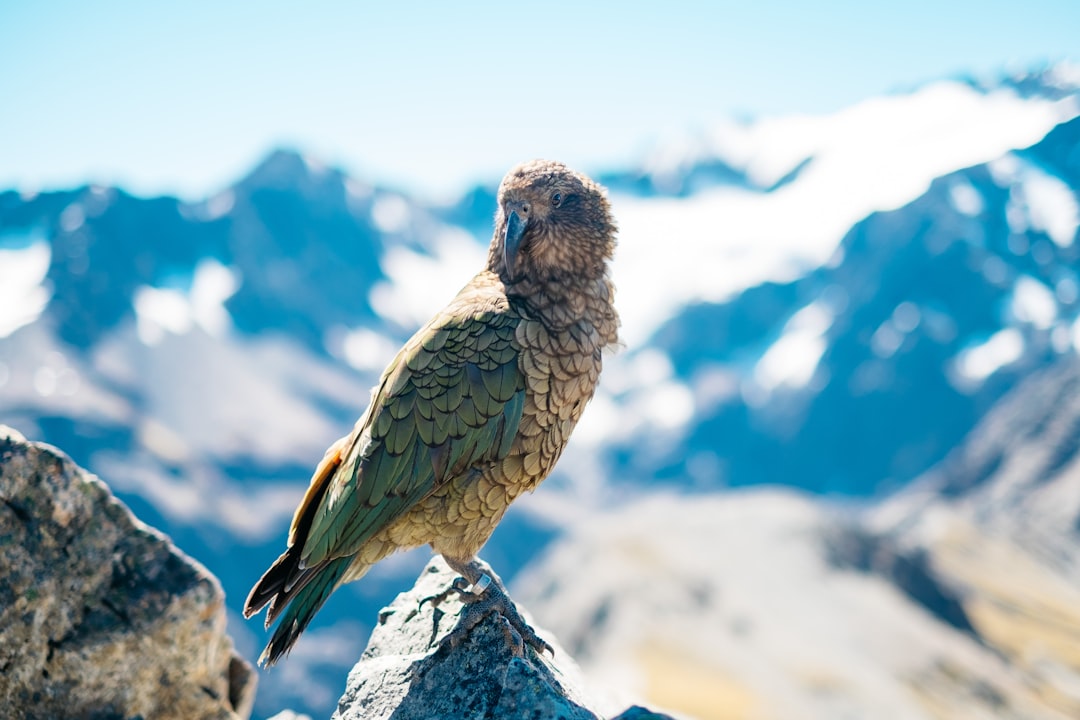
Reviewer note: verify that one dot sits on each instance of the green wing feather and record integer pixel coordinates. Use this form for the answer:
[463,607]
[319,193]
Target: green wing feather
[452,398]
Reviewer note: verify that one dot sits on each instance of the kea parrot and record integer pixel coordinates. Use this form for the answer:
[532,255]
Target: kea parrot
[474,410]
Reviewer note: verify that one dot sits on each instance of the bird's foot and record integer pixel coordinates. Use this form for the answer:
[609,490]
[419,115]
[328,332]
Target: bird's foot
[459,586]
[484,598]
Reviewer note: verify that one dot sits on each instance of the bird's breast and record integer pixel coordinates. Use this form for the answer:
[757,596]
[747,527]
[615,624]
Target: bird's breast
[561,369]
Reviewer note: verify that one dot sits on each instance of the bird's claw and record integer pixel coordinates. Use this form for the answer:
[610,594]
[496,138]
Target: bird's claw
[483,599]
[458,586]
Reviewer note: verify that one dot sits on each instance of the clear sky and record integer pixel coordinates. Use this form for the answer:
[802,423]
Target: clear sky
[185,97]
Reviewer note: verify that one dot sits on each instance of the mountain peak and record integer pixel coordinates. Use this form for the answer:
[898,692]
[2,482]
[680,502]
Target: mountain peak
[287,168]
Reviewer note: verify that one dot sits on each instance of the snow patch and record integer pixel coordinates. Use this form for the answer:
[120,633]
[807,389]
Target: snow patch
[668,405]
[1051,205]
[212,286]
[268,398]
[314,165]
[159,310]
[792,360]
[977,363]
[356,189]
[1033,302]
[23,294]
[1064,75]
[419,284]
[966,199]
[638,392]
[672,158]
[1005,169]
[390,213]
[638,370]
[98,200]
[367,350]
[878,155]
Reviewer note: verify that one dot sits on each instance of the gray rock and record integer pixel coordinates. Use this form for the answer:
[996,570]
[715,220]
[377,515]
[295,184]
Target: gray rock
[100,615]
[405,675]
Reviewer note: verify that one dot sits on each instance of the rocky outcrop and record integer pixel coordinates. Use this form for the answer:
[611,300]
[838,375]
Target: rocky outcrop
[101,616]
[404,674]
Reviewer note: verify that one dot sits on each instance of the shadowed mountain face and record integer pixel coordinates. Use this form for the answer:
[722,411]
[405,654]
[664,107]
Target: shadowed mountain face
[203,355]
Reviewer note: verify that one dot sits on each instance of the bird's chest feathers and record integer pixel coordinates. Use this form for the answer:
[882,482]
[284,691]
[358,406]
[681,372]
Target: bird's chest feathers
[561,369]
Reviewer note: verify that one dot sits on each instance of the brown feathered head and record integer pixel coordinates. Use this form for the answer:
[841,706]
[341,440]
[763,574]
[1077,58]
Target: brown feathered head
[552,224]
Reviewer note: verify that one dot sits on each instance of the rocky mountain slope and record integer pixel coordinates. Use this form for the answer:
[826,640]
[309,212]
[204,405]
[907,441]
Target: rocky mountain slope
[795,612]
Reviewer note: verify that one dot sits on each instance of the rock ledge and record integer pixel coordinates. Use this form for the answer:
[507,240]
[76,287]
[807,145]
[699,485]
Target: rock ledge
[102,616]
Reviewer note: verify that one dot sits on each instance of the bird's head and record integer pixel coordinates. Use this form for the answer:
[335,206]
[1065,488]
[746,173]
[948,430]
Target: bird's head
[552,223]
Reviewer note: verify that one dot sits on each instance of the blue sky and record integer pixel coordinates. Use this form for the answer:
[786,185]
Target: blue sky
[184,98]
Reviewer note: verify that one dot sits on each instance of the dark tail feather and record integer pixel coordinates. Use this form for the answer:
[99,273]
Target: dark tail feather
[279,585]
[270,584]
[285,577]
[303,603]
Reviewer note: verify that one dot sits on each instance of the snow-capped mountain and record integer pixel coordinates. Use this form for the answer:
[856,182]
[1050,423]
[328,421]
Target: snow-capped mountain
[862,371]
[824,302]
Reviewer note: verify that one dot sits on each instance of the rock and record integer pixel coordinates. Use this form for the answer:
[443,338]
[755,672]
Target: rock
[100,615]
[403,674]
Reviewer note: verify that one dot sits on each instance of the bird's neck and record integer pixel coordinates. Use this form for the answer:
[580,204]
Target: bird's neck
[562,302]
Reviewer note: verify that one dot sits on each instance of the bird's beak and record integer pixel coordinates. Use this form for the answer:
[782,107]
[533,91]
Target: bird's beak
[515,229]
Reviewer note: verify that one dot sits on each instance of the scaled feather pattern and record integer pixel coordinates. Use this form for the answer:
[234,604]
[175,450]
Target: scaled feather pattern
[475,409]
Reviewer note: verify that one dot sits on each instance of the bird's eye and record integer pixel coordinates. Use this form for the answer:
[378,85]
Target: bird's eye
[556,200]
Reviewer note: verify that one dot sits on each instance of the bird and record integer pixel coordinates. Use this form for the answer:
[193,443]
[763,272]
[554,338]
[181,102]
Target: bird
[474,410]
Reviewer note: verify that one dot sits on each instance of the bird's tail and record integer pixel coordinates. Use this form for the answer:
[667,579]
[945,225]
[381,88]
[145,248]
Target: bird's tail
[287,583]
[303,603]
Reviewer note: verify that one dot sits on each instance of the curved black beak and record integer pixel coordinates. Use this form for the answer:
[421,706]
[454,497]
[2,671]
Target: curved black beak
[515,229]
